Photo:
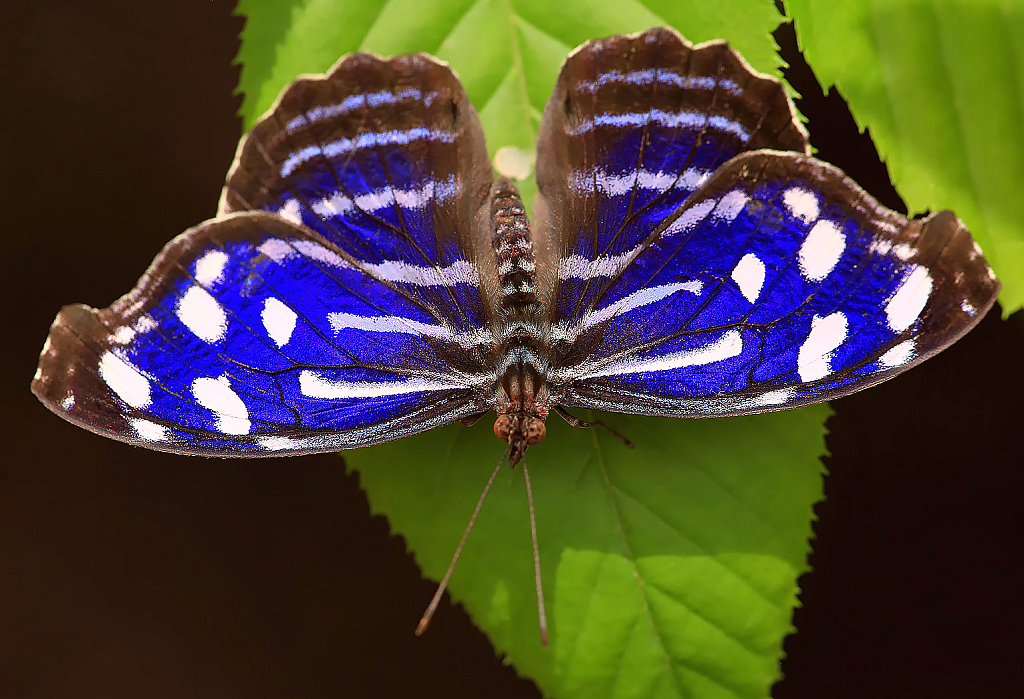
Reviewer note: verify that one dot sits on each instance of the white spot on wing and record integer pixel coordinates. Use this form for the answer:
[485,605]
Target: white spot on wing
[279,320]
[365,140]
[397,324]
[617,185]
[898,355]
[123,335]
[316,386]
[217,395]
[357,101]
[334,205]
[675,120]
[124,380]
[318,252]
[909,300]
[210,267]
[773,397]
[749,276]
[827,333]
[578,267]
[148,430]
[727,346]
[276,443]
[635,300]
[201,314]
[291,211]
[903,251]
[376,199]
[648,76]
[691,217]
[821,250]
[276,249]
[880,246]
[802,204]
[458,272]
[885,225]
[731,204]
[968,307]
[69,401]
[143,324]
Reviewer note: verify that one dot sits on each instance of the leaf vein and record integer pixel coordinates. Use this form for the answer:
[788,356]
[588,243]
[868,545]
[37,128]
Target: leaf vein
[700,548]
[659,641]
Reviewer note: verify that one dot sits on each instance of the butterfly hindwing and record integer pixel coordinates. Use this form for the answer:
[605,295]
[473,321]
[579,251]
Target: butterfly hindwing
[634,126]
[779,283]
[250,335]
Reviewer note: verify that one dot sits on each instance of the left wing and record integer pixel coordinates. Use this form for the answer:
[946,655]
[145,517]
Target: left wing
[356,312]
[251,336]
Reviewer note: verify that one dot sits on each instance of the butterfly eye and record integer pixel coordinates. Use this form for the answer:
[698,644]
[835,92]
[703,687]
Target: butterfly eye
[503,427]
[535,432]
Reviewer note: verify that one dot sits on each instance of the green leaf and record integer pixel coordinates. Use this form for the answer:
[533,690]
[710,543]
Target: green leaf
[670,571]
[940,85]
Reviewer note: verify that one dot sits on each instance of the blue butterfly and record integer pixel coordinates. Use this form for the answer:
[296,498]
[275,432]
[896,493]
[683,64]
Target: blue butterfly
[368,278]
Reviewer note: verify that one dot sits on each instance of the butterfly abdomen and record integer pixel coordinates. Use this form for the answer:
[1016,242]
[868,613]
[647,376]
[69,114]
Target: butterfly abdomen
[522,374]
[510,231]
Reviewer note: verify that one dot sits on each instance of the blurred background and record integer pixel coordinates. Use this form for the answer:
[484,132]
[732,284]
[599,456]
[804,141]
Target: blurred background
[128,573]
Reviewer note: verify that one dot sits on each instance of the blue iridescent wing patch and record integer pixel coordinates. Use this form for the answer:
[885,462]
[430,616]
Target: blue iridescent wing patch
[774,282]
[351,315]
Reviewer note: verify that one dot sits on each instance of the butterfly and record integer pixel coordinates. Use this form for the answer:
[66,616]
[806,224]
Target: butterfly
[367,276]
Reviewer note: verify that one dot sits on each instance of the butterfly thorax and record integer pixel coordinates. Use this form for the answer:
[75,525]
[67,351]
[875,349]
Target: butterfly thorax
[523,399]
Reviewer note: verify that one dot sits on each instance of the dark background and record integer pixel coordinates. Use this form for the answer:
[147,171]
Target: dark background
[129,573]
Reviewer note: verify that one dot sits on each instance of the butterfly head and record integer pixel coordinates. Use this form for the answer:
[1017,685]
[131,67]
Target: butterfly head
[520,430]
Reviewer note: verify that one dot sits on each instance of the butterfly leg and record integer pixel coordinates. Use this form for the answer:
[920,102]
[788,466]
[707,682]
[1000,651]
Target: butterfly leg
[576,422]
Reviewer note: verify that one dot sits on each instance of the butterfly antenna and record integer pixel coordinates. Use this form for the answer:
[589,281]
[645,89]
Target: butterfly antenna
[541,614]
[432,607]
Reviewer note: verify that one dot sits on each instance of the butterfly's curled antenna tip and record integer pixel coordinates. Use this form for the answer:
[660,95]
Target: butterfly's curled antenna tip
[422,625]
